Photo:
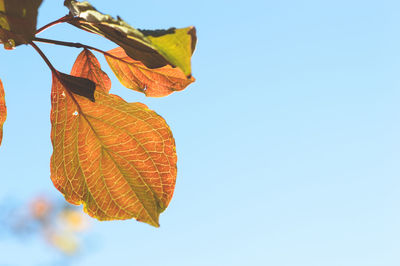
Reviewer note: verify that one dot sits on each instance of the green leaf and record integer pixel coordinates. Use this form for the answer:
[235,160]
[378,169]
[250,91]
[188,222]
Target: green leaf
[176,45]
[18,21]
[154,49]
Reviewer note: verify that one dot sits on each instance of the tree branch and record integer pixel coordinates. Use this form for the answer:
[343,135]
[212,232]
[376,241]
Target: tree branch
[75,45]
[52,68]
[66,18]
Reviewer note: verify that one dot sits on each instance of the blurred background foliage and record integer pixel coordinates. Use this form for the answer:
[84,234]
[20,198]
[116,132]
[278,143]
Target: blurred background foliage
[62,227]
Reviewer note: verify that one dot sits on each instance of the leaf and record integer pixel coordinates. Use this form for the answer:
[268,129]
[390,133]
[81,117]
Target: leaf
[154,49]
[135,75]
[3,110]
[80,86]
[176,45]
[18,21]
[90,68]
[116,158]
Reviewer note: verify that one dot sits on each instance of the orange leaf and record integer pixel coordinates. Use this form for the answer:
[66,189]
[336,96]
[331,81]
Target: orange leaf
[89,68]
[116,158]
[3,110]
[135,75]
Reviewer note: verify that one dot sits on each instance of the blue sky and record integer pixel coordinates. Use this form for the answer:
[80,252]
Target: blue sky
[288,142]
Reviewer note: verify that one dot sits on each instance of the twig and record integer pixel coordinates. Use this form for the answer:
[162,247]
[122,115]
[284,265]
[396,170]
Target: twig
[76,45]
[52,68]
[58,76]
[66,18]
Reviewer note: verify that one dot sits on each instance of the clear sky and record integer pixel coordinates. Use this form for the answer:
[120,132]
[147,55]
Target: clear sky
[288,143]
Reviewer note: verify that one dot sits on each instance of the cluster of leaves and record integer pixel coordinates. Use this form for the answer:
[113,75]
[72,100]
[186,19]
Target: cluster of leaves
[60,225]
[116,158]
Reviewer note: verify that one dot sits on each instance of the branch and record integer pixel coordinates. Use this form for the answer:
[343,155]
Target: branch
[52,68]
[57,74]
[66,18]
[75,45]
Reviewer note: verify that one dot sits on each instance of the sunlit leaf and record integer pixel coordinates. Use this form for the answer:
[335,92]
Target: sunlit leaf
[90,69]
[152,82]
[155,49]
[3,110]
[18,21]
[176,45]
[116,158]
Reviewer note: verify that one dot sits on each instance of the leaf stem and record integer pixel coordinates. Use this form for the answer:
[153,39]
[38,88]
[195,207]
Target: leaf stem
[57,74]
[75,45]
[52,68]
[65,18]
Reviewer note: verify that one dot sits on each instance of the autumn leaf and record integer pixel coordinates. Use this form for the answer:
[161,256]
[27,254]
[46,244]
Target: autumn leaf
[116,158]
[154,49]
[135,75]
[3,110]
[18,21]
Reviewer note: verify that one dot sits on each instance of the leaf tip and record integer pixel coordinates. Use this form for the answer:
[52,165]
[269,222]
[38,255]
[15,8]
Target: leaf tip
[153,222]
